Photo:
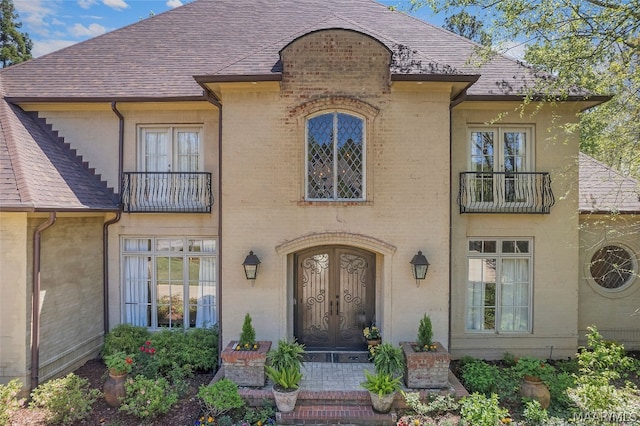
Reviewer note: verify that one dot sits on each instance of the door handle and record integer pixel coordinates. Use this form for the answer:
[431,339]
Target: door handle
[331,307]
[337,307]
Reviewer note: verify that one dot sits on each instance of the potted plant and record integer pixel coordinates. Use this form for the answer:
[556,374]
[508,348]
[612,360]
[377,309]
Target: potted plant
[119,365]
[426,361]
[382,389]
[372,334]
[533,372]
[389,360]
[284,369]
[244,360]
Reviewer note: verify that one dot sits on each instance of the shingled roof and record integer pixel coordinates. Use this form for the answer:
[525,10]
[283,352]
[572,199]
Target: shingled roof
[159,56]
[37,172]
[604,190]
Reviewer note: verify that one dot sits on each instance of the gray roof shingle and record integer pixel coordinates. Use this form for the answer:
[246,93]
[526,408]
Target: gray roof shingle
[603,189]
[158,56]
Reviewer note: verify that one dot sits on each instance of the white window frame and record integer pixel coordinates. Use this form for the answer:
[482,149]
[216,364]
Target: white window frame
[499,257]
[148,266]
[499,157]
[335,151]
[171,130]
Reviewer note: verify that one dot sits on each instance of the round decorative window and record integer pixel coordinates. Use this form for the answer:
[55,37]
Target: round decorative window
[612,267]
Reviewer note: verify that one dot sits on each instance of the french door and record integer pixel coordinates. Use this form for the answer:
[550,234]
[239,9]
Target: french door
[335,297]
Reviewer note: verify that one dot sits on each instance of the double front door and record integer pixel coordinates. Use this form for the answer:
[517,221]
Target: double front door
[334,297]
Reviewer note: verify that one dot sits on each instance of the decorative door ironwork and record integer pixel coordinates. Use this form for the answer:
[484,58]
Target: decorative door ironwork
[335,297]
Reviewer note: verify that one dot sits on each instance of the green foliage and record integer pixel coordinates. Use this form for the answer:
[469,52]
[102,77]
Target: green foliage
[389,359]
[288,355]
[435,405]
[532,367]
[260,415]
[66,400]
[15,46]
[381,383]
[603,358]
[479,410]
[287,378]
[124,338]
[147,398]
[479,376]
[467,25]
[220,397]
[119,362]
[509,359]
[534,414]
[425,332]
[248,334]
[9,400]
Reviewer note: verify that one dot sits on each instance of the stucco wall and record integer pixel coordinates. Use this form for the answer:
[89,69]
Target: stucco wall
[612,312]
[407,185]
[555,240]
[14,296]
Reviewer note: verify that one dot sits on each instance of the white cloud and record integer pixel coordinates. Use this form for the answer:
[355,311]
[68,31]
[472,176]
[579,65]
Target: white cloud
[116,4]
[42,47]
[92,30]
[34,13]
[174,3]
[86,4]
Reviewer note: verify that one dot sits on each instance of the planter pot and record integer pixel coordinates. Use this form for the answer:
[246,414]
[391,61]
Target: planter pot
[374,342]
[285,400]
[382,404]
[245,368]
[114,390]
[426,370]
[534,388]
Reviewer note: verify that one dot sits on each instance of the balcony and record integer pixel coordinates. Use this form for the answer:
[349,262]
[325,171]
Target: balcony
[502,192]
[159,192]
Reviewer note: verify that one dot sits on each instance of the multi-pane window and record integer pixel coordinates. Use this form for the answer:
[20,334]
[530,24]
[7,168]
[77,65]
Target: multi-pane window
[335,157]
[613,267]
[499,285]
[170,148]
[497,155]
[169,282]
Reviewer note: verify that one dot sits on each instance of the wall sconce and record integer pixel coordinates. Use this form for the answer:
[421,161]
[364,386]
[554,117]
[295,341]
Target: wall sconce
[250,264]
[419,267]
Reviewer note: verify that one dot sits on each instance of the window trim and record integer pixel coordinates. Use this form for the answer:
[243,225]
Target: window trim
[153,253]
[625,290]
[171,130]
[363,190]
[499,255]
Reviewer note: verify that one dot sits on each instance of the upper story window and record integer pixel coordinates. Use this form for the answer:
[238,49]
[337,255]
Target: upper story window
[335,157]
[170,149]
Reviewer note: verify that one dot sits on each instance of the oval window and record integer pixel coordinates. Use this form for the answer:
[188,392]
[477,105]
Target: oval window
[612,267]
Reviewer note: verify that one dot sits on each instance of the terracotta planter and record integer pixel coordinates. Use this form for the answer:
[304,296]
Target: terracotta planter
[534,388]
[245,368]
[113,389]
[382,404]
[285,400]
[374,342]
[426,370]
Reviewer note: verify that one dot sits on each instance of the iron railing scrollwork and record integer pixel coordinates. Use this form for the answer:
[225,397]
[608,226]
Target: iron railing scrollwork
[170,192]
[505,192]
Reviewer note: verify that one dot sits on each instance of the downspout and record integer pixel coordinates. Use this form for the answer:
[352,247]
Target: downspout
[213,99]
[35,300]
[105,226]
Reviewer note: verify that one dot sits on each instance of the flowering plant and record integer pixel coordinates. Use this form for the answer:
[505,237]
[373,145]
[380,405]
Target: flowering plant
[371,333]
[119,363]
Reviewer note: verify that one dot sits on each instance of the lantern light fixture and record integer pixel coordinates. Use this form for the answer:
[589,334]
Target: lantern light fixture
[250,264]
[419,267]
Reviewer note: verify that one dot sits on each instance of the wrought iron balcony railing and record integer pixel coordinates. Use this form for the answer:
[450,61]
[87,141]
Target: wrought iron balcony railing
[159,192]
[503,192]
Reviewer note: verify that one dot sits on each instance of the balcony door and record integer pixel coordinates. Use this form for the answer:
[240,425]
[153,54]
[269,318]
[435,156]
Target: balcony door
[335,297]
[498,156]
[167,156]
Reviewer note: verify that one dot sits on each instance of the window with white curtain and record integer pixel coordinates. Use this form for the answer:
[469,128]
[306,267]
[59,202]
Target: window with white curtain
[169,282]
[499,285]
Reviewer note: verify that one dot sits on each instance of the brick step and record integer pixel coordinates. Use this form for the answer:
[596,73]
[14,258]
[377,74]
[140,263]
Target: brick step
[335,415]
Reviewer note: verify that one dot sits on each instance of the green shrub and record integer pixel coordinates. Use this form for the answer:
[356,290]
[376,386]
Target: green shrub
[195,348]
[604,358]
[260,415]
[220,398]
[124,338]
[9,400]
[435,405]
[533,367]
[534,414]
[389,360]
[66,400]
[425,332]
[381,383]
[248,334]
[288,355]
[147,398]
[479,410]
[480,376]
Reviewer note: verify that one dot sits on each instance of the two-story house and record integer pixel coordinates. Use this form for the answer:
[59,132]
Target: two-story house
[334,142]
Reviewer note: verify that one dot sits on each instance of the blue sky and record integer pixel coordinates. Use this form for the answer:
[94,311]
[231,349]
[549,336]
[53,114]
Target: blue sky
[55,24]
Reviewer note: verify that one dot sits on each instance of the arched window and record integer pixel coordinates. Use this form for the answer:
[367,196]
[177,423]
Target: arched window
[335,154]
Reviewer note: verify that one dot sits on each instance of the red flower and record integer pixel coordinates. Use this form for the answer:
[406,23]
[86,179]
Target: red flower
[148,343]
[142,348]
[129,360]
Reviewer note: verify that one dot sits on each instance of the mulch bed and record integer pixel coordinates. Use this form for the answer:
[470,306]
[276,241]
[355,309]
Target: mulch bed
[184,413]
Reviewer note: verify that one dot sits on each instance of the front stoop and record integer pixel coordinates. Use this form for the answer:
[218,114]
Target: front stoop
[335,415]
